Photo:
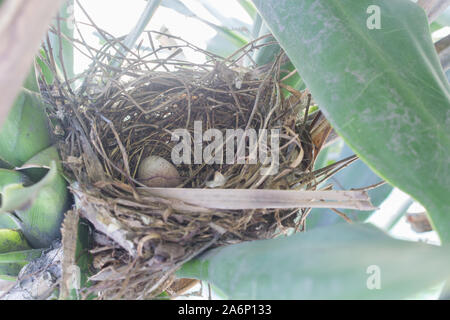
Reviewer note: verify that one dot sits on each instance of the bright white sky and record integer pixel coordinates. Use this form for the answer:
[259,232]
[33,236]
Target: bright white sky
[119,17]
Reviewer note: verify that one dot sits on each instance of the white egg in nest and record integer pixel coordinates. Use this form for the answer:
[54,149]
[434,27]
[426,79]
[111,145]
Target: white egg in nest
[157,172]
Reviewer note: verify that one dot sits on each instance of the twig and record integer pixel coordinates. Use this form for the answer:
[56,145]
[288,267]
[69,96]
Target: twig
[343,215]
[373,186]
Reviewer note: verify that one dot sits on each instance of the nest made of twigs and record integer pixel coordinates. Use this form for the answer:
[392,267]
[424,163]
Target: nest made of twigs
[119,116]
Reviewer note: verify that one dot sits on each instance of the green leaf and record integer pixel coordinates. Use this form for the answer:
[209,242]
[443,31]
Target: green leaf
[41,222]
[249,8]
[435,26]
[12,262]
[16,196]
[12,240]
[45,71]
[8,177]
[40,207]
[25,132]
[267,53]
[37,167]
[31,81]
[334,262]
[256,28]
[383,90]
[8,278]
[8,222]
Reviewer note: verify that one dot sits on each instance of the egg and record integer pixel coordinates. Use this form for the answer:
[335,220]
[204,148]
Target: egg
[157,172]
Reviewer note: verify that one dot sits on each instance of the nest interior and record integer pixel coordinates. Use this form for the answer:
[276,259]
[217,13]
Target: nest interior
[119,116]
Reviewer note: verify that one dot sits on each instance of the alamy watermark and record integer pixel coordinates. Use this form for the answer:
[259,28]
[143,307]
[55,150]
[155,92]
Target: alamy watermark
[230,149]
[374,19]
[70,17]
[374,279]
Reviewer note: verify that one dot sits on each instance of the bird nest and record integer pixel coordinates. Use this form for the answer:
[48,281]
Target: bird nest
[118,117]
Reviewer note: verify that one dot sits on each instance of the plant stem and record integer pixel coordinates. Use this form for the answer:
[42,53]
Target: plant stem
[132,37]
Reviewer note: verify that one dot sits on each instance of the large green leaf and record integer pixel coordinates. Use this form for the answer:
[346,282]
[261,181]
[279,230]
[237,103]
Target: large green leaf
[15,252]
[25,132]
[12,240]
[12,262]
[36,167]
[8,177]
[15,196]
[31,81]
[7,221]
[267,53]
[40,207]
[42,221]
[383,89]
[335,262]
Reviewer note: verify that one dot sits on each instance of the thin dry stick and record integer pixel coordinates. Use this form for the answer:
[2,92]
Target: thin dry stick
[343,215]
[371,187]
[242,199]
